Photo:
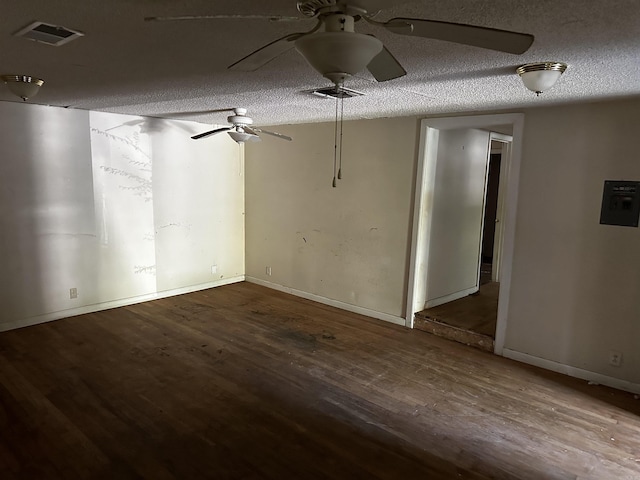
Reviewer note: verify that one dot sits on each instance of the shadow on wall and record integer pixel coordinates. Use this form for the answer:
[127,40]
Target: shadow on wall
[123,188]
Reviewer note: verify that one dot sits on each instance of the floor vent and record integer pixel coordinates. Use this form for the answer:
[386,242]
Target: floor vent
[340,92]
[49,34]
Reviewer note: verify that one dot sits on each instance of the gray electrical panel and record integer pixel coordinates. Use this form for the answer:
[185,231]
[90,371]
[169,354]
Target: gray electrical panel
[620,203]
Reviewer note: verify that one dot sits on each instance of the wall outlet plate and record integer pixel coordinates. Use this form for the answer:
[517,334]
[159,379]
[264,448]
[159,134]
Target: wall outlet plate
[615,358]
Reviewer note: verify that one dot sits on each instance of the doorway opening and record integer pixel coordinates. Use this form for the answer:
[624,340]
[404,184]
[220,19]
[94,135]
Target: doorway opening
[472,319]
[464,223]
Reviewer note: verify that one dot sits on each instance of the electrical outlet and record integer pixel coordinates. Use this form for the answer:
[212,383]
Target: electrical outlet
[214,269]
[615,358]
[73,293]
[268,271]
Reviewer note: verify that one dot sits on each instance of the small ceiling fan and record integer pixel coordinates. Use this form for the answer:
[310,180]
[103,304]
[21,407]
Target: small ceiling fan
[336,50]
[241,129]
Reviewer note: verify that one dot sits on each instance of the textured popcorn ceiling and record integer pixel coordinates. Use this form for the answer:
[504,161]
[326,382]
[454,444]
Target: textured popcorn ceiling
[124,64]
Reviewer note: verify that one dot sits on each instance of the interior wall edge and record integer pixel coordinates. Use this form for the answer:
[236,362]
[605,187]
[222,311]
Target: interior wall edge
[49,317]
[576,372]
[328,301]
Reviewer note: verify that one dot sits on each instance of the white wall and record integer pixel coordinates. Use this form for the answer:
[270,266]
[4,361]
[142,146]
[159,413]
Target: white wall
[575,283]
[348,244]
[68,221]
[122,208]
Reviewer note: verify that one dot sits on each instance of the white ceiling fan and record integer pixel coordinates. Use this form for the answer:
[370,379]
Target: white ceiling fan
[336,50]
[241,129]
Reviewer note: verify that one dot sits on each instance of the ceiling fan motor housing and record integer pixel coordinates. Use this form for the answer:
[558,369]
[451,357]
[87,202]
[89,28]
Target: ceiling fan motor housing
[310,8]
[240,119]
[368,8]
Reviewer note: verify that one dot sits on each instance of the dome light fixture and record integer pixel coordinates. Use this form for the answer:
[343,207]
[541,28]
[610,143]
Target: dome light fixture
[240,136]
[339,51]
[540,77]
[23,86]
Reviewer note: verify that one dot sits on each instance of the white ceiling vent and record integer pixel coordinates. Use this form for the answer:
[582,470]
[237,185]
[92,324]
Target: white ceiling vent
[335,92]
[49,34]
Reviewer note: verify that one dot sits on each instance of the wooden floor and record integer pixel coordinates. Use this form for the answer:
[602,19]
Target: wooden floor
[242,382]
[470,320]
[477,312]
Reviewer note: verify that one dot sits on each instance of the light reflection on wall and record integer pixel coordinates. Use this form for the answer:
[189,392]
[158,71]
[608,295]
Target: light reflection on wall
[115,206]
[175,205]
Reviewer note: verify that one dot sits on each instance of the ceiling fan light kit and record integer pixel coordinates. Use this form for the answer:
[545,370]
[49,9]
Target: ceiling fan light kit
[337,56]
[23,86]
[540,77]
[240,136]
[339,51]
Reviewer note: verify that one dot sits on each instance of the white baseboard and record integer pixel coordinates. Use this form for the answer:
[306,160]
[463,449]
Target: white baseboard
[328,301]
[450,298]
[48,317]
[572,371]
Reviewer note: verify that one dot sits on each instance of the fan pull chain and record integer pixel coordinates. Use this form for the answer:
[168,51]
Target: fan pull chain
[341,122]
[335,148]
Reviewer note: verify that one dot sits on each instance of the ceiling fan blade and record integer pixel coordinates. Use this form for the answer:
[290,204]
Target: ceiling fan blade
[483,37]
[264,55]
[271,18]
[384,66]
[210,132]
[279,135]
[130,123]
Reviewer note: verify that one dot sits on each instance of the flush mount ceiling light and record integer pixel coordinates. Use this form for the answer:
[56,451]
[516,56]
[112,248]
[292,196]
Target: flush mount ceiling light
[540,77]
[23,86]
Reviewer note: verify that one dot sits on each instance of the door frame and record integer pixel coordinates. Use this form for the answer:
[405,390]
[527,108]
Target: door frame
[424,185]
[503,174]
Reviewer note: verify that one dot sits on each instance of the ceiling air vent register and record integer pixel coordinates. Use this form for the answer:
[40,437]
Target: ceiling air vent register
[334,92]
[50,34]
